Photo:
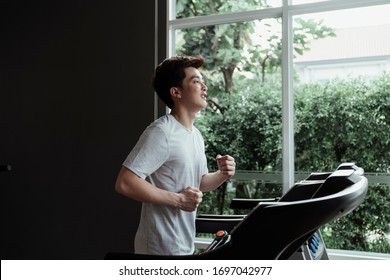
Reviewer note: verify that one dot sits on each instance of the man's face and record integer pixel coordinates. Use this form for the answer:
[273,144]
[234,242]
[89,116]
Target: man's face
[193,90]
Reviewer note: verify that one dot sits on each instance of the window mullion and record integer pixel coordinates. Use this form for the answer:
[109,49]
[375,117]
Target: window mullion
[287,98]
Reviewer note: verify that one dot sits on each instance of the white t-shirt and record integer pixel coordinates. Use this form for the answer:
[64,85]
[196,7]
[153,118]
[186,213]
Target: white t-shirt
[171,157]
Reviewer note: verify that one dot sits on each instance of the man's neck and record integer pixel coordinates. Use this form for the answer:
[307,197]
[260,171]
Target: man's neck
[185,118]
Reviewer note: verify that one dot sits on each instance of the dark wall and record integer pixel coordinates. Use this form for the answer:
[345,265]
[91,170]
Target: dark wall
[75,95]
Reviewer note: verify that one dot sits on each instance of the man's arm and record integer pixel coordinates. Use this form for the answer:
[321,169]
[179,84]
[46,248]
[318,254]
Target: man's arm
[226,169]
[134,187]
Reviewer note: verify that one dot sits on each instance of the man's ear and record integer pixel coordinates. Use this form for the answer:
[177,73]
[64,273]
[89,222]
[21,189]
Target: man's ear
[175,92]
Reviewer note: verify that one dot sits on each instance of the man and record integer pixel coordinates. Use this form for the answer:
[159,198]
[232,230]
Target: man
[167,168]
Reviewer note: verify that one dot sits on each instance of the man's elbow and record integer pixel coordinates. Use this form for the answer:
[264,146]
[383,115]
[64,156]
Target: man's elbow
[120,184]
[118,187]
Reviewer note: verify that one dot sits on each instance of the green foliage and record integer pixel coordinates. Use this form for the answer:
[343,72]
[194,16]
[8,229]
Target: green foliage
[339,121]
[246,129]
[307,30]
[229,47]
[343,121]
[367,228]
[190,8]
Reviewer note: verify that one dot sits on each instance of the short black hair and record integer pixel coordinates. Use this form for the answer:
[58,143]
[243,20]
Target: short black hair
[170,73]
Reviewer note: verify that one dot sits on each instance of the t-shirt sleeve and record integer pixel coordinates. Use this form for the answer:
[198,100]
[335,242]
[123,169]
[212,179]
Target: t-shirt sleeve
[150,152]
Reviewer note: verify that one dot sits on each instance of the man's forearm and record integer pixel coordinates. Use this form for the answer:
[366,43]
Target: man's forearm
[212,181]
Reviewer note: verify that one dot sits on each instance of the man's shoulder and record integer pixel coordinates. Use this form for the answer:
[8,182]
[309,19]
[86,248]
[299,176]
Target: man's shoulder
[162,125]
[162,122]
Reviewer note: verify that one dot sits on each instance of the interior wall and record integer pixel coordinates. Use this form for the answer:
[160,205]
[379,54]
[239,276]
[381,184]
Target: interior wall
[75,95]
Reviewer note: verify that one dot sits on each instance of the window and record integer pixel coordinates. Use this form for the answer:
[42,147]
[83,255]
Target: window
[273,47]
[295,86]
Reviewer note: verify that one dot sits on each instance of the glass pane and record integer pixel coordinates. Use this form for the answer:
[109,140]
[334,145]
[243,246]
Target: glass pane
[342,112]
[243,75]
[342,66]
[194,8]
[351,50]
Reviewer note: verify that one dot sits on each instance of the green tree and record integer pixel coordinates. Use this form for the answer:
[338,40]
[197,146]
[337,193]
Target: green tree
[231,46]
